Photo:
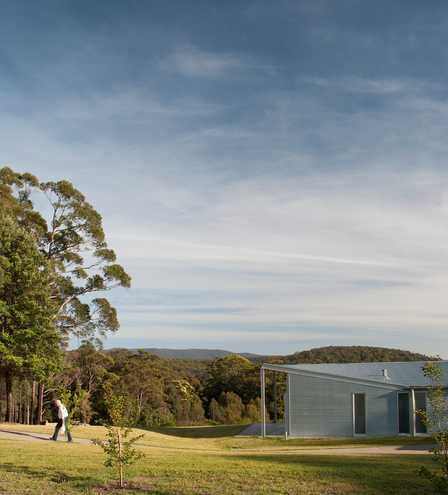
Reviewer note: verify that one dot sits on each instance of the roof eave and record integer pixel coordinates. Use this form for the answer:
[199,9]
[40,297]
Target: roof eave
[333,377]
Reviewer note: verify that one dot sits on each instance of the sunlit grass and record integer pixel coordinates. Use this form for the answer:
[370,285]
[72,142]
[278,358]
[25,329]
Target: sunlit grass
[63,468]
[223,437]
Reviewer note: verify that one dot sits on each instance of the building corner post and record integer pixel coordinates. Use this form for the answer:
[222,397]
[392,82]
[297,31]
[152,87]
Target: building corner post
[275,397]
[413,412]
[263,405]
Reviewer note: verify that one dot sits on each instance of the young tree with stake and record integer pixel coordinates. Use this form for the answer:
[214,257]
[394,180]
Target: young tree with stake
[118,448]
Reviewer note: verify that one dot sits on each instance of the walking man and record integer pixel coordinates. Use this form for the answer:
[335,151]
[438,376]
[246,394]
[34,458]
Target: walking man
[62,419]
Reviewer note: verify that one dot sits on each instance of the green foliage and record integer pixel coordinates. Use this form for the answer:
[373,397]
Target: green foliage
[119,448]
[235,374]
[75,228]
[186,406]
[25,304]
[436,423]
[253,411]
[145,379]
[230,410]
[162,392]
[29,343]
[90,365]
[353,354]
[74,232]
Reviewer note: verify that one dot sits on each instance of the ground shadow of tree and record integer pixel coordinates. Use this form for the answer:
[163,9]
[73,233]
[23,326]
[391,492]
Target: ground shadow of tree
[59,477]
[49,474]
[198,432]
[365,471]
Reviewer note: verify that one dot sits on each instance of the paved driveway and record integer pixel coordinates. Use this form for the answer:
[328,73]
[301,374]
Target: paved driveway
[36,437]
[278,430]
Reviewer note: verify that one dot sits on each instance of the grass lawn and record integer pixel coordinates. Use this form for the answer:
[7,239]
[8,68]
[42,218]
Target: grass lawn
[206,463]
[222,438]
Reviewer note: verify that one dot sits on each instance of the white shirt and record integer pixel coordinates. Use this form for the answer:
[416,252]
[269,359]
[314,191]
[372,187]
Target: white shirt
[62,412]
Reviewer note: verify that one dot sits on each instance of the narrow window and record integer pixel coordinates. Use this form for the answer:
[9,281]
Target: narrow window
[359,413]
[420,403]
[404,423]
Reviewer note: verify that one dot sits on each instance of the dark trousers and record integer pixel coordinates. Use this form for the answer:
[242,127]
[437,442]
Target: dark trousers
[58,427]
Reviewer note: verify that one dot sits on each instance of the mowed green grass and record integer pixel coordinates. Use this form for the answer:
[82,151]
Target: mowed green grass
[221,438]
[194,464]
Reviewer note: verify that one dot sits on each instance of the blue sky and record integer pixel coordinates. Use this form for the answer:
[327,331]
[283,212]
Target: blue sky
[273,175]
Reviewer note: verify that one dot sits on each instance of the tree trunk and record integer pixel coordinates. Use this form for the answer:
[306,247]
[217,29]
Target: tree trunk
[25,413]
[120,459]
[1,397]
[40,398]
[8,380]
[32,406]
[19,407]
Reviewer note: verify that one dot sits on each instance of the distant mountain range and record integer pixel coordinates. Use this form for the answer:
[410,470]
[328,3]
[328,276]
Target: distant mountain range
[329,354]
[192,353]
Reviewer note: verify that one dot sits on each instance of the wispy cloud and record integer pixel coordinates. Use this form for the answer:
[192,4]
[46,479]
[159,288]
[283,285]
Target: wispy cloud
[282,184]
[192,62]
[382,86]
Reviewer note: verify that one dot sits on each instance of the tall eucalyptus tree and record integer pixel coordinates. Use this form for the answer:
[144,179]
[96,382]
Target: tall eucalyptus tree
[79,262]
[73,242]
[29,343]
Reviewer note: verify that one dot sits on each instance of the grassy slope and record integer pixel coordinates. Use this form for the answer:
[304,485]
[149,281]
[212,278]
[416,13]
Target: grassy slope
[196,463]
[223,437]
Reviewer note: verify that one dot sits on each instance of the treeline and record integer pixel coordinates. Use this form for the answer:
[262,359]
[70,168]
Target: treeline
[157,392]
[349,354]
[168,392]
[192,353]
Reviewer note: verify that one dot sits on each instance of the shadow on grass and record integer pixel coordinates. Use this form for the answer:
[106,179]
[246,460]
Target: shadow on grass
[49,475]
[198,431]
[343,442]
[38,436]
[84,483]
[379,474]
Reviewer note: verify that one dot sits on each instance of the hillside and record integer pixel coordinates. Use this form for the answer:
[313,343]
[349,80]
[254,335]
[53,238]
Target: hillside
[193,353]
[329,354]
[354,354]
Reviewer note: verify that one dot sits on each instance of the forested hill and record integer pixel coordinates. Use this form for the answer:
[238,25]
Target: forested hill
[193,353]
[353,354]
[330,354]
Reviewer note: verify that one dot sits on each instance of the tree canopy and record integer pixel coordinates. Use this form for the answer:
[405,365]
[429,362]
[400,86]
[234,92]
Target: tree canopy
[47,266]
[73,243]
[348,354]
[29,344]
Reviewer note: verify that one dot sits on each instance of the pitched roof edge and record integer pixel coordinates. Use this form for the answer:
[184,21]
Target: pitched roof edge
[332,376]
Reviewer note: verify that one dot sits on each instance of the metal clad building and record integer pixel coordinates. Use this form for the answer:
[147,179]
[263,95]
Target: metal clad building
[355,399]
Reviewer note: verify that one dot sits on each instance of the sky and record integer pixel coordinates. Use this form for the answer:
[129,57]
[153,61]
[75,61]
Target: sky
[272,175]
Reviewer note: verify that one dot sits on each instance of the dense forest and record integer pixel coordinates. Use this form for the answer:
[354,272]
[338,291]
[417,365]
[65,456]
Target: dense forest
[351,354]
[193,353]
[167,392]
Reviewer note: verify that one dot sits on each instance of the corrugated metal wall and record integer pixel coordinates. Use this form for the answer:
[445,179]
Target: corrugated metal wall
[324,408]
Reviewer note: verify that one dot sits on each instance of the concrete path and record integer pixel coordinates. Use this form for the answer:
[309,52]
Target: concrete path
[36,437]
[278,430]
[404,449]
[272,430]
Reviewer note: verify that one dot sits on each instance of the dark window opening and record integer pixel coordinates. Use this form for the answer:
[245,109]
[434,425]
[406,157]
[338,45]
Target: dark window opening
[404,417]
[420,403]
[359,410]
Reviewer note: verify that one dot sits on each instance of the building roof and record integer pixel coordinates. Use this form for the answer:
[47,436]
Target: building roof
[406,374]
